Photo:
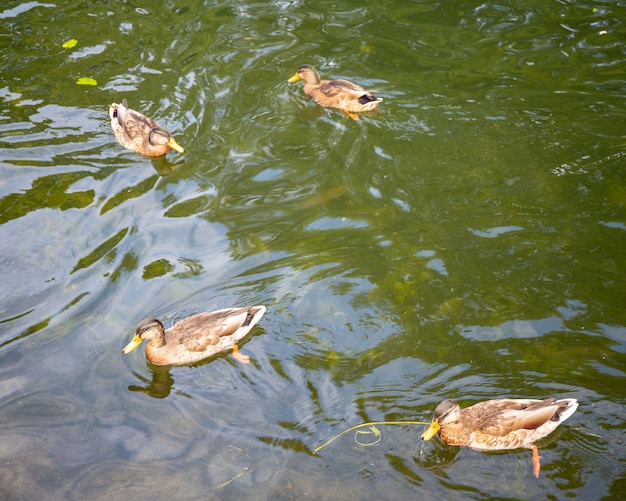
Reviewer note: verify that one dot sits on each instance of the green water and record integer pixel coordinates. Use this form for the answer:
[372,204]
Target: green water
[464,241]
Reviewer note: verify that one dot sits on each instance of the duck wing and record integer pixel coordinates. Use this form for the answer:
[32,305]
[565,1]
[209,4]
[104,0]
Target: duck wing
[333,88]
[223,327]
[501,417]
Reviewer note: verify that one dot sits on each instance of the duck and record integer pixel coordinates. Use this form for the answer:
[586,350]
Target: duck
[500,424]
[196,337]
[341,94]
[139,133]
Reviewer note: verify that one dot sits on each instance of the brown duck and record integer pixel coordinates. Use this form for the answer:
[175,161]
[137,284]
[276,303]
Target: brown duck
[340,94]
[139,133]
[500,424]
[196,337]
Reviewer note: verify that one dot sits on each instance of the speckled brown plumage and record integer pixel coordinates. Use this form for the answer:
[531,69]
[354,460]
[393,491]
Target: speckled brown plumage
[499,424]
[341,94]
[194,338]
[139,133]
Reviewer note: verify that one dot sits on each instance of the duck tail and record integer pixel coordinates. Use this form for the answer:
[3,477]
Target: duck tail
[369,98]
[254,315]
[567,407]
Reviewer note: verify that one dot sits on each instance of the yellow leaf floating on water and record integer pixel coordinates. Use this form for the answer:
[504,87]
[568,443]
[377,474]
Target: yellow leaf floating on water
[70,43]
[86,81]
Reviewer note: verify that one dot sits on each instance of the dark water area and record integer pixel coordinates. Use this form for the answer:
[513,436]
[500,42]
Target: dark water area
[466,240]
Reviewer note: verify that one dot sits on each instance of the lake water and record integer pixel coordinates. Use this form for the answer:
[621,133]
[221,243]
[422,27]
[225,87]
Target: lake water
[467,240]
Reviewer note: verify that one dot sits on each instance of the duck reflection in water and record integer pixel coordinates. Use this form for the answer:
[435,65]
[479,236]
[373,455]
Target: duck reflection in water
[162,381]
[161,384]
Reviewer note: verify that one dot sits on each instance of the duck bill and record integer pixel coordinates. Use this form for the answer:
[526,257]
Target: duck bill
[431,431]
[175,146]
[132,345]
[294,78]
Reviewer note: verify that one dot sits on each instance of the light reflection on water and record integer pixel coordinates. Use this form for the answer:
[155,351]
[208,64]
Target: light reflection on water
[464,241]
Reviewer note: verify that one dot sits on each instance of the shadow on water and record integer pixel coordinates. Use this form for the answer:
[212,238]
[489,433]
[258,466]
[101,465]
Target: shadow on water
[159,386]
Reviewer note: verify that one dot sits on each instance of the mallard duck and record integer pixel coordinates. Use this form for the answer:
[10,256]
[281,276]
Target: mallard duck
[196,337]
[340,94]
[139,133]
[500,424]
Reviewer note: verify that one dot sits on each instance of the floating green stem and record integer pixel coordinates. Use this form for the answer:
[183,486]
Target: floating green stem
[372,427]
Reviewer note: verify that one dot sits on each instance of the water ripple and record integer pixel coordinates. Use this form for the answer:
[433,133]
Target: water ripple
[462,241]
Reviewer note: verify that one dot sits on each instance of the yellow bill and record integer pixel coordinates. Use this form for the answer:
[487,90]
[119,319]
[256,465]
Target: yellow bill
[431,431]
[294,78]
[175,146]
[132,345]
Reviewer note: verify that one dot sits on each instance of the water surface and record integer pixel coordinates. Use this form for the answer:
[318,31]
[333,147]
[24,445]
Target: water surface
[464,241]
